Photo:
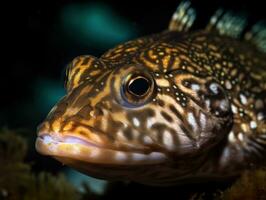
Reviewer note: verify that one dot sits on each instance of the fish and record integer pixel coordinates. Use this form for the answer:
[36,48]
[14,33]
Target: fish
[173,107]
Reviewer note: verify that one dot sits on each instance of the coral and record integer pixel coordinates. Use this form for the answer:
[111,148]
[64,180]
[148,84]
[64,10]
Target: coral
[17,181]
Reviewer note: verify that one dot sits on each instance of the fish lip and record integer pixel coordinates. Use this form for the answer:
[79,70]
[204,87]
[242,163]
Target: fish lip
[48,138]
[57,146]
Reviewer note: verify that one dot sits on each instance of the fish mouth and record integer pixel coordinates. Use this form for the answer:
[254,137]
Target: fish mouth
[80,149]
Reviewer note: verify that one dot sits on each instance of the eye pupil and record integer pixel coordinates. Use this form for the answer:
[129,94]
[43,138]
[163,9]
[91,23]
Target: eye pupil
[139,86]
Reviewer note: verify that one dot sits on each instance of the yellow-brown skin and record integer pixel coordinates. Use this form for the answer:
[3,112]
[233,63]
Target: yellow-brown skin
[203,114]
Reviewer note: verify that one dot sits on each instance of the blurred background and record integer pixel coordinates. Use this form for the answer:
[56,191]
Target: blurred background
[41,37]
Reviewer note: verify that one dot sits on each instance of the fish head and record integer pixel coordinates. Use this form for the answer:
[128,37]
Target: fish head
[100,121]
[113,123]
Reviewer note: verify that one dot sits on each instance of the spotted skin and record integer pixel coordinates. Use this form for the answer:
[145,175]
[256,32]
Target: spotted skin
[203,115]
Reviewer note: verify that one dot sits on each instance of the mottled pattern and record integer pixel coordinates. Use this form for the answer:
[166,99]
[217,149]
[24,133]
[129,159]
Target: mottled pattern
[201,114]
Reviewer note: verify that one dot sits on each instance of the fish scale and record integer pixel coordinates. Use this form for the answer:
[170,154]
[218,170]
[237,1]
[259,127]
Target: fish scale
[173,107]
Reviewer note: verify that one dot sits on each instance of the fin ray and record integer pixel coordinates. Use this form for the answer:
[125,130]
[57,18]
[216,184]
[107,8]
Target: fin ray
[183,18]
[257,35]
[227,23]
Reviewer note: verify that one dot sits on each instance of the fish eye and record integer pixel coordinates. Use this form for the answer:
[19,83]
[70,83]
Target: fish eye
[137,88]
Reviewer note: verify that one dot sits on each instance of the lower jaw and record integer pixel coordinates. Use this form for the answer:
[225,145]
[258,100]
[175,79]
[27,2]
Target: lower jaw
[110,172]
[155,175]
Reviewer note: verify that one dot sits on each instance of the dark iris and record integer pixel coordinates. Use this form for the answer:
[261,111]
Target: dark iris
[139,86]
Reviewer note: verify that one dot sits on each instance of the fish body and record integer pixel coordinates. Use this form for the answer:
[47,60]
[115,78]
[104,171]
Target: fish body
[173,107]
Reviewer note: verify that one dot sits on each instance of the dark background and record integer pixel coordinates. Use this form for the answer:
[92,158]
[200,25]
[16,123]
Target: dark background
[41,37]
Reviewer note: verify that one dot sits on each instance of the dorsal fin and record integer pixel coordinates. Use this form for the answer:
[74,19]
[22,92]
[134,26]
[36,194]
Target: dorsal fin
[257,35]
[183,18]
[227,23]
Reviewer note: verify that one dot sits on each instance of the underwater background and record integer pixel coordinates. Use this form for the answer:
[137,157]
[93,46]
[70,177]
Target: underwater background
[41,38]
